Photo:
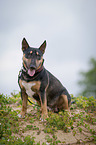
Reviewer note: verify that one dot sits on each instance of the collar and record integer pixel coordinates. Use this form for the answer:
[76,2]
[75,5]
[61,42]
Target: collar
[40,69]
[23,74]
[37,71]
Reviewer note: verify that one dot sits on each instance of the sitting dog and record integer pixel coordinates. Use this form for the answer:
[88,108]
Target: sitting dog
[37,82]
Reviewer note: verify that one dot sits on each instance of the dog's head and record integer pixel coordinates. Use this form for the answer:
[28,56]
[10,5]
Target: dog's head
[32,57]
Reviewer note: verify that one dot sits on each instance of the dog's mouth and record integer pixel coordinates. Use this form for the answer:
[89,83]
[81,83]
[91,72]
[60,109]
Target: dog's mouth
[31,72]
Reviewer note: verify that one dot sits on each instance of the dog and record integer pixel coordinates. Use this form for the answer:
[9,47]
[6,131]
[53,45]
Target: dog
[37,82]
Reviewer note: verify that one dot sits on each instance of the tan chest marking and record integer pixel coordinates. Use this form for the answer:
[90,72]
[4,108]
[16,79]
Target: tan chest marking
[31,87]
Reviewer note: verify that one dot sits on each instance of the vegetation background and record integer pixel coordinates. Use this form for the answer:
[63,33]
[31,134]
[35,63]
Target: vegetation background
[88,80]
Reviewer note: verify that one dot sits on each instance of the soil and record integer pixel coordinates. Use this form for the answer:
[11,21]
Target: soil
[83,138]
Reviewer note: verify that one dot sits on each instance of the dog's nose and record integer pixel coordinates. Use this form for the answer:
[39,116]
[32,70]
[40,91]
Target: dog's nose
[32,66]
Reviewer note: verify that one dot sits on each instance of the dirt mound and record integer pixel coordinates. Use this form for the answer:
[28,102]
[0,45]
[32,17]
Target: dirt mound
[65,128]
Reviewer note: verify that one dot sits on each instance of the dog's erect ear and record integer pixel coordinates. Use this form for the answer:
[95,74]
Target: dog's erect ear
[42,47]
[25,44]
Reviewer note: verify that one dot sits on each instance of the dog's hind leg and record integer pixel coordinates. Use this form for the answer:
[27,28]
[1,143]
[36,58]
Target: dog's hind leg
[63,102]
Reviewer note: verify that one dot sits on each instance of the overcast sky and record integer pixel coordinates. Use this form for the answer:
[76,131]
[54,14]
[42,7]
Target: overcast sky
[68,26]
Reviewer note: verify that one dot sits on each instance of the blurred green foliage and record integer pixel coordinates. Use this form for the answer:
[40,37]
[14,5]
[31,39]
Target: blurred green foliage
[88,80]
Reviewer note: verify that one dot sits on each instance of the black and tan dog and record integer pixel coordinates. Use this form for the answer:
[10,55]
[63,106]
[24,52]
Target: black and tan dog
[35,81]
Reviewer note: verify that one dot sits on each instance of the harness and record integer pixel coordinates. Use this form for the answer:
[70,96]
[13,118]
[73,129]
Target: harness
[33,103]
[22,71]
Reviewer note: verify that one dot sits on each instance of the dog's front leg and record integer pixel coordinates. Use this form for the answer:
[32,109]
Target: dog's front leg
[43,100]
[24,103]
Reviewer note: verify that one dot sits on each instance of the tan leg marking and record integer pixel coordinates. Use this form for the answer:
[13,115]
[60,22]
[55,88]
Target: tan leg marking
[44,114]
[63,103]
[24,104]
[44,110]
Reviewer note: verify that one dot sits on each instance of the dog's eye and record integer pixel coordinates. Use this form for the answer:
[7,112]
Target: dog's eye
[37,53]
[30,52]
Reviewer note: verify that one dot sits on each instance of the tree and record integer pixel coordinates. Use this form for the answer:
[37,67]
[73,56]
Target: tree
[88,81]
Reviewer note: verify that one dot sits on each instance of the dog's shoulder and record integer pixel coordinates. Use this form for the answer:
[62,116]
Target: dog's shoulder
[53,79]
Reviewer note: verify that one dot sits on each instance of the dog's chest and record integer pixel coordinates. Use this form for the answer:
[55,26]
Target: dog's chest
[31,87]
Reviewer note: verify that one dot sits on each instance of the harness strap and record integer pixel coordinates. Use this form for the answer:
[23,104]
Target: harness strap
[33,103]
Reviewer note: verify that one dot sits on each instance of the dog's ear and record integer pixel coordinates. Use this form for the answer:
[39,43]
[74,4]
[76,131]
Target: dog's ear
[25,44]
[42,47]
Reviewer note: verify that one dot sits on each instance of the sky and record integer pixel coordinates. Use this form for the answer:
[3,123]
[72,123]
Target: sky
[68,26]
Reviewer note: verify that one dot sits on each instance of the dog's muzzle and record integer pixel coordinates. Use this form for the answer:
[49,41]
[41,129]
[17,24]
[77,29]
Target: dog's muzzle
[31,70]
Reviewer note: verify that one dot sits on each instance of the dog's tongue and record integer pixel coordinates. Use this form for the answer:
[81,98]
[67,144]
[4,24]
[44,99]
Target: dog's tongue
[31,72]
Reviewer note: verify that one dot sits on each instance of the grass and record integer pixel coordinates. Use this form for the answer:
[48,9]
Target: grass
[11,124]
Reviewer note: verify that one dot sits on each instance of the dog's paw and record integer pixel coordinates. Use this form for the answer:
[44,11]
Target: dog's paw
[20,116]
[42,119]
